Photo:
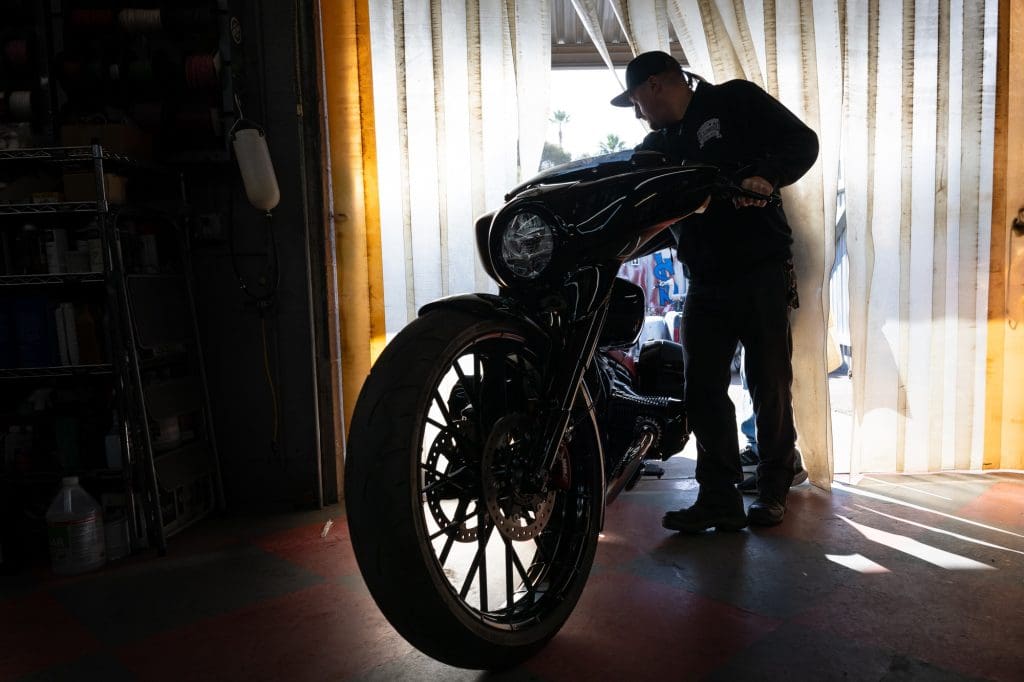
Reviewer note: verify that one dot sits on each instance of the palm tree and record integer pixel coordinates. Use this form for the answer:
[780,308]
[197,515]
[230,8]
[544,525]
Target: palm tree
[560,118]
[612,143]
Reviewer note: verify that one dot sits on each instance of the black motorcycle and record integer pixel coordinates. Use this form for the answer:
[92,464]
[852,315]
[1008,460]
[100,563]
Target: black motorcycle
[494,429]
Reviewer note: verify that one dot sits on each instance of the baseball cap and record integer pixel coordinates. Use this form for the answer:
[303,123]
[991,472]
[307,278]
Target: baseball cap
[642,67]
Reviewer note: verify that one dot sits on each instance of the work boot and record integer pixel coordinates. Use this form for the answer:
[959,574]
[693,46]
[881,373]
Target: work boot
[766,511]
[749,484]
[724,514]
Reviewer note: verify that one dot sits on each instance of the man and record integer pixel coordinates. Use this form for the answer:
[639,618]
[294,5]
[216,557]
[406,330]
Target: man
[738,259]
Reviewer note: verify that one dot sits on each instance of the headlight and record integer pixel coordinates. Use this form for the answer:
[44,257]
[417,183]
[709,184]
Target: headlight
[527,245]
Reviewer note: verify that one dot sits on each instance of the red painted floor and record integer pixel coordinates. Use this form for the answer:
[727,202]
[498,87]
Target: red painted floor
[894,578]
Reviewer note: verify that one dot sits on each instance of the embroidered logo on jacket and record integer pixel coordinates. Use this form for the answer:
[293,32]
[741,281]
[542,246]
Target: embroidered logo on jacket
[709,130]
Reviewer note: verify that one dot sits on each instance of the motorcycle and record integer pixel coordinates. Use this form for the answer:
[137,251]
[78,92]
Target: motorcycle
[494,430]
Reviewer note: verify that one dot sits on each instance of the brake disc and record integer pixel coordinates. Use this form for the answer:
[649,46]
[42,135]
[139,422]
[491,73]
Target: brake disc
[440,489]
[517,513]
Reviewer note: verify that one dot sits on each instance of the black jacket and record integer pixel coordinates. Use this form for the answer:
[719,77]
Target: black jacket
[745,131]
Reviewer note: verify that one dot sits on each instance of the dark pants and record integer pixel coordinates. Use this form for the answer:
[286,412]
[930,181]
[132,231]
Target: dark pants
[755,311]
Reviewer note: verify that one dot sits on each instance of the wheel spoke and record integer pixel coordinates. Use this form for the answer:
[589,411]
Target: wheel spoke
[519,567]
[456,522]
[439,425]
[484,534]
[450,542]
[443,407]
[509,587]
[482,554]
[464,380]
[442,478]
[482,404]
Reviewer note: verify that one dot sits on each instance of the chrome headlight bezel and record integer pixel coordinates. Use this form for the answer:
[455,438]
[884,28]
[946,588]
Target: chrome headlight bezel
[523,244]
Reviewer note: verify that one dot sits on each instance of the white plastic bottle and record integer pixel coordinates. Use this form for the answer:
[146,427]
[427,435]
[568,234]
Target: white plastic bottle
[75,527]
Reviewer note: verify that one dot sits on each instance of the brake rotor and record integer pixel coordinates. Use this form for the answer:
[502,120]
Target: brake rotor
[438,489]
[518,513]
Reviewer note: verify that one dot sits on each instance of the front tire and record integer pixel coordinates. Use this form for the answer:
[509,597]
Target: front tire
[469,565]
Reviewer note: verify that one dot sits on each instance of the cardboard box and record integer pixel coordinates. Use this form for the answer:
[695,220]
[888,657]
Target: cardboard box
[120,138]
[82,187]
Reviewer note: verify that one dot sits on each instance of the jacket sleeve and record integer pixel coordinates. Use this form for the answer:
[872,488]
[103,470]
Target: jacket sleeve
[783,147]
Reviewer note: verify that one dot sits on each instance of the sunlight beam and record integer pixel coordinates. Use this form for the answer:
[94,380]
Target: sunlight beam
[857,562]
[907,487]
[939,530]
[836,485]
[919,550]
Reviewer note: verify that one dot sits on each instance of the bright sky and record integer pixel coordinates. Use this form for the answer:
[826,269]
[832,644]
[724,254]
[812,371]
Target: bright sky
[584,95]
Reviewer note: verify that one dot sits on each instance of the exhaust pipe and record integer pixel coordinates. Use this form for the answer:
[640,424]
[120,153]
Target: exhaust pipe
[632,460]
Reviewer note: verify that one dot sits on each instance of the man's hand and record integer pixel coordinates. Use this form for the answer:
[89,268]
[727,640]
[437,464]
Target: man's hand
[753,184]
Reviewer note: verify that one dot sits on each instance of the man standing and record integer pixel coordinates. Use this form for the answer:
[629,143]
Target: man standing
[742,286]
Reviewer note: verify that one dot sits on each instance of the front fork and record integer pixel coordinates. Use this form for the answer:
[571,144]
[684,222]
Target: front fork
[563,386]
[583,322]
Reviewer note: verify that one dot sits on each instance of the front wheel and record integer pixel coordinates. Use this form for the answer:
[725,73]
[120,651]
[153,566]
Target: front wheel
[465,555]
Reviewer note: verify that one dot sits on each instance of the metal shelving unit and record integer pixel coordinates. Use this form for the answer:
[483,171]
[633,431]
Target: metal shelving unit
[167,491]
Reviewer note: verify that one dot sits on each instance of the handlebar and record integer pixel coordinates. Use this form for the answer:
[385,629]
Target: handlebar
[727,189]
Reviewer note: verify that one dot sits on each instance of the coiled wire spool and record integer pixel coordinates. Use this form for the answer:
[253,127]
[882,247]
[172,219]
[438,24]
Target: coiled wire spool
[133,20]
[202,72]
[92,19]
[19,105]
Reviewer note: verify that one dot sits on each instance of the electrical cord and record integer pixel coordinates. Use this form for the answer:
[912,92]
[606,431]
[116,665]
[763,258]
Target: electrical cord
[270,383]
[265,299]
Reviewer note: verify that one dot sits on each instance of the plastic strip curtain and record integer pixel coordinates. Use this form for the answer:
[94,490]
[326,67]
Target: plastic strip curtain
[460,92]
[918,160]
[587,12]
[916,80]
[644,22]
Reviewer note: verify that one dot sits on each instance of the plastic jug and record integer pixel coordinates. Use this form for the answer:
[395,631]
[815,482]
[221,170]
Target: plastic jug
[75,528]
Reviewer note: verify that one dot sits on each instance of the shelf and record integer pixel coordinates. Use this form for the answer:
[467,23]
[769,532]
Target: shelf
[49,475]
[77,156]
[61,279]
[54,208]
[69,156]
[56,372]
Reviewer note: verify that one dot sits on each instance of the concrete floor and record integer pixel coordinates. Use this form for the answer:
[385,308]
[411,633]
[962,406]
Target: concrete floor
[889,578]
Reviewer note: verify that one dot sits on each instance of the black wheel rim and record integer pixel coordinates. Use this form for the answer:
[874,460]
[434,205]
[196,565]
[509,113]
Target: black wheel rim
[507,557]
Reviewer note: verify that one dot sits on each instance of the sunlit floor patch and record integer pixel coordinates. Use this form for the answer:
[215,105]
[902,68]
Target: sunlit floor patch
[857,562]
[933,529]
[933,555]
[853,490]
